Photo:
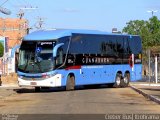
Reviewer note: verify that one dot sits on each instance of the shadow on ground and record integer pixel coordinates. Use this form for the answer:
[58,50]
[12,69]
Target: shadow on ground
[61,89]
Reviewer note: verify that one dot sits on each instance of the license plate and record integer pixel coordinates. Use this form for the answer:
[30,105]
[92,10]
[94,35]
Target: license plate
[33,83]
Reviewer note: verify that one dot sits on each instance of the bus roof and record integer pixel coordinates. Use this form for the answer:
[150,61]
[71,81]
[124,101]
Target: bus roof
[58,33]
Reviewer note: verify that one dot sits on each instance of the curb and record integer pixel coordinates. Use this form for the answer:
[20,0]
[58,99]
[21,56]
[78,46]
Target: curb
[146,84]
[154,85]
[8,85]
[150,97]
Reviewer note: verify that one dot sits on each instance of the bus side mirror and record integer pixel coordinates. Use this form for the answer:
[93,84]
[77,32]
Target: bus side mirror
[56,48]
[14,50]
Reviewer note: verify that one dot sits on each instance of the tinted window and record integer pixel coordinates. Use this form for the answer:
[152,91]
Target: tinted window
[64,40]
[85,43]
[109,46]
[135,45]
[120,49]
[126,45]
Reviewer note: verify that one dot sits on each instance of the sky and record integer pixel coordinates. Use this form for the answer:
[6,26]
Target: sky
[83,14]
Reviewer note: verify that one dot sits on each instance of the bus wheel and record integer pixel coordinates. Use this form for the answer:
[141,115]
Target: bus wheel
[37,89]
[125,81]
[117,83]
[70,83]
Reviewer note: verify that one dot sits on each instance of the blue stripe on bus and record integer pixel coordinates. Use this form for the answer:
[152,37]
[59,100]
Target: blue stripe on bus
[100,74]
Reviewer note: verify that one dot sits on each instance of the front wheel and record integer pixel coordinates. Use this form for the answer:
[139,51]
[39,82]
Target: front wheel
[70,83]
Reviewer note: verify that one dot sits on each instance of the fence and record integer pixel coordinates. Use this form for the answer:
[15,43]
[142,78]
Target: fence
[151,66]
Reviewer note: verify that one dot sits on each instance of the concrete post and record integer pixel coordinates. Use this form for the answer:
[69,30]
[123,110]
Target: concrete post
[156,66]
[149,65]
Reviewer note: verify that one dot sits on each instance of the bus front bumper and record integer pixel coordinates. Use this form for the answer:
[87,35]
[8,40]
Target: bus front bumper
[55,81]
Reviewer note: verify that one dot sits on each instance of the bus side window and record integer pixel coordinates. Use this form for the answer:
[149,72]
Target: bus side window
[59,58]
[120,49]
[126,45]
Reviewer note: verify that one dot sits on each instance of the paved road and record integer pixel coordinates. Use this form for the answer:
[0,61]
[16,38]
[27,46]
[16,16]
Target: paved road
[85,101]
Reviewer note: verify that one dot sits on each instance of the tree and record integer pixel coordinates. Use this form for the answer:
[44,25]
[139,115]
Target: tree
[134,27]
[1,49]
[148,30]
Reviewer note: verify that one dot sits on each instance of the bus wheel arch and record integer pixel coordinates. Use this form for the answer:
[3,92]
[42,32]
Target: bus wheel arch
[37,89]
[126,79]
[118,78]
[70,83]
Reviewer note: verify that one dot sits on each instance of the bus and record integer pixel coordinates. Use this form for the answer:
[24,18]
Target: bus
[69,58]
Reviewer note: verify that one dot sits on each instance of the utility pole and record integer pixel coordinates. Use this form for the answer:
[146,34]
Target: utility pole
[156,69]
[152,12]
[156,63]
[40,23]
[149,65]
[21,12]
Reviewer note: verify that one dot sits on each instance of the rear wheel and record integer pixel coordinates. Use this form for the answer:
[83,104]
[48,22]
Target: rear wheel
[125,81]
[70,83]
[117,83]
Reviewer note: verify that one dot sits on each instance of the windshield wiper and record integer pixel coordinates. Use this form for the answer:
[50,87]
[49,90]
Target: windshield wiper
[37,62]
[26,64]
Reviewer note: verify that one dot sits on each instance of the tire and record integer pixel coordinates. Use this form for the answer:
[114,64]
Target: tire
[70,83]
[37,89]
[117,83]
[45,88]
[125,81]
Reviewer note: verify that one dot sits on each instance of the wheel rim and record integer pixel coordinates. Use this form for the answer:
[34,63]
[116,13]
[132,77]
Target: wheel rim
[118,81]
[125,80]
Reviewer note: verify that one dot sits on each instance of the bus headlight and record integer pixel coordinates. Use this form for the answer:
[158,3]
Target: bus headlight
[47,75]
[20,76]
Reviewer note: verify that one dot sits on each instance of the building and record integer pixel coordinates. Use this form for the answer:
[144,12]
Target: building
[12,31]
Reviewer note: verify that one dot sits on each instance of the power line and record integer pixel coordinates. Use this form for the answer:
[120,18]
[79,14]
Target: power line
[4,10]
[29,8]
[21,12]
[3,3]
[40,22]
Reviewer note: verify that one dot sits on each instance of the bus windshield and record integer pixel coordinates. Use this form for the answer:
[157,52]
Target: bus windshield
[36,57]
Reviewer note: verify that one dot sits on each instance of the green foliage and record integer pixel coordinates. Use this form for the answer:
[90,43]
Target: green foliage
[1,50]
[148,30]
